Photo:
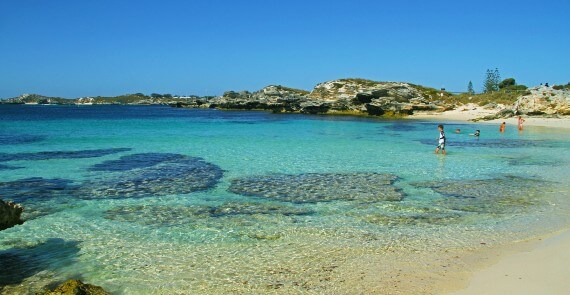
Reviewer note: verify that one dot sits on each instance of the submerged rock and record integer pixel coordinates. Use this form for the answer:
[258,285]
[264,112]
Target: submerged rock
[315,187]
[416,219]
[10,214]
[133,176]
[143,175]
[4,157]
[402,214]
[8,167]
[76,287]
[22,262]
[178,215]
[135,161]
[508,194]
[530,161]
[40,196]
[35,188]
[10,139]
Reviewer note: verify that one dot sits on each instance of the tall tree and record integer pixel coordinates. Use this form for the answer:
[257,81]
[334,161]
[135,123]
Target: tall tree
[470,88]
[492,79]
[496,79]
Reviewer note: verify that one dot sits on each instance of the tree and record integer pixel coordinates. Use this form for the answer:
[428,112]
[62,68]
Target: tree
[156,95]
[507,82]
[470,88]
[496,79]
[492,79]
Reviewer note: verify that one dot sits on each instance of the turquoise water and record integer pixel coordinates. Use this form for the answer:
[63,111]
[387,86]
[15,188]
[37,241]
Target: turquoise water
[158,200]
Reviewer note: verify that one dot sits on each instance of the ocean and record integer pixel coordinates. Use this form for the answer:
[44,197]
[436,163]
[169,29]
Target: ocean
[160,200]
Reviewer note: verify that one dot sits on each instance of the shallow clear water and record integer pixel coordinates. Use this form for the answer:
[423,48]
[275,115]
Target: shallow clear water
[144,199]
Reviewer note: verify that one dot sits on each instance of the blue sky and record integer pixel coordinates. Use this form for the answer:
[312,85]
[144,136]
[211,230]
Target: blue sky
[88,48]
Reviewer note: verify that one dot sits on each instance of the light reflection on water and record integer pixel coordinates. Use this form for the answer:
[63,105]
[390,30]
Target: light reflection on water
[501,188]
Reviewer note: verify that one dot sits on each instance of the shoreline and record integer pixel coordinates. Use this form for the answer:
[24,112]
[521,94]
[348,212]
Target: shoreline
[470,112]
[466,113]
[536,266]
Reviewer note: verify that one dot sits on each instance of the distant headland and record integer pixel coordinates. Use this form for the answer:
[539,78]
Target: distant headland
[352,96]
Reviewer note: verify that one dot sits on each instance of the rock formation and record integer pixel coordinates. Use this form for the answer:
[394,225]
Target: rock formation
[539,101]
[75,287]
[354,96]
[10,214]
[544,100]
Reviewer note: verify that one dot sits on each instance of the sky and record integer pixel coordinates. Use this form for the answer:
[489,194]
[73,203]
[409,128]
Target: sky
[91,48]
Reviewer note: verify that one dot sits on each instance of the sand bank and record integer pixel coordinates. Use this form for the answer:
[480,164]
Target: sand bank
[470,112]
[545,269]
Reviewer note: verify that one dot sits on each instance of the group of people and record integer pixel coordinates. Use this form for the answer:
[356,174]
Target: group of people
[441,138]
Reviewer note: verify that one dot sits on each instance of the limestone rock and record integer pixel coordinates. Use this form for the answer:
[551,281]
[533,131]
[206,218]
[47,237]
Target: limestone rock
[544,100]
[75,287]
[320,187]
[10,214]
[363,90]
[273,97]
[356,96]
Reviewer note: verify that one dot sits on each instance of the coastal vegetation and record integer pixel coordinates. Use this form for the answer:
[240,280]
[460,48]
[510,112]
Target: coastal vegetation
[348,96]
[562,87]
[502,96]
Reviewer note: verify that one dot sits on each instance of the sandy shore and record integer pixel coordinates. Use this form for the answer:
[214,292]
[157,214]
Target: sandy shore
[534,267]
[470,112]
[545,269]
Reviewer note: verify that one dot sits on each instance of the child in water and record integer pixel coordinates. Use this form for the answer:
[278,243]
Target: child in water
[441,140]
[477,133]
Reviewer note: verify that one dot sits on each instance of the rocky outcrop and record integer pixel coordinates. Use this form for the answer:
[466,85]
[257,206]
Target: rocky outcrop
[376,98]
[539,101]
[274,97]
[544,100]
[75,287]
[355,96]
[10,214]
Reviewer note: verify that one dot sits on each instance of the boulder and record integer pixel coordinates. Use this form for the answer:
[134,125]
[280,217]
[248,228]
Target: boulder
[10,214]
[75,287]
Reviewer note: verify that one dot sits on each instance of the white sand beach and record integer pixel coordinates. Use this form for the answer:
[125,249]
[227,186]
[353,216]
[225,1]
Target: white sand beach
[544,269]
[541,266]
[470,112]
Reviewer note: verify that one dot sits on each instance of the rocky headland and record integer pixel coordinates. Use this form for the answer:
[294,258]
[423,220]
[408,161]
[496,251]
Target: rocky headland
[10,214]
[544,100]
[343,96]
[352,96]
[539,101]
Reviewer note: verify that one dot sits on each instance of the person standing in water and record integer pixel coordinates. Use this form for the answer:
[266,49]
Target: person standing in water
[502,128]
[441,140]
[521,121]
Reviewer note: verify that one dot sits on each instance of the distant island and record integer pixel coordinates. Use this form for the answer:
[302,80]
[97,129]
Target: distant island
[352,96]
